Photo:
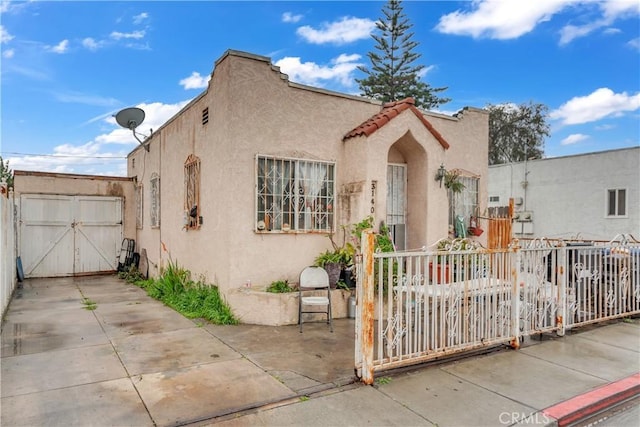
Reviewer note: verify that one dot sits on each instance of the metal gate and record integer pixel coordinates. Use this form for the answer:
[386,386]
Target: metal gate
[69,235]
[416,306]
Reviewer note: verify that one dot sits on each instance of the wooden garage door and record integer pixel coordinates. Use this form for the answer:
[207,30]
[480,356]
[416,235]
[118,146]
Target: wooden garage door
[69,235]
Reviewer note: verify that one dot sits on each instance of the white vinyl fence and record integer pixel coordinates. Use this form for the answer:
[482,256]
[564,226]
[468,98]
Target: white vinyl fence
[8,277]
[418,306]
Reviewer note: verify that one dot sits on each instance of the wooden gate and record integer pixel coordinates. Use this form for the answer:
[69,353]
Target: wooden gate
[69,235]
[500,235]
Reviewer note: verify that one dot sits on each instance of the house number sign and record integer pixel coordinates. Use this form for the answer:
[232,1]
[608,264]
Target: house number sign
[373,196]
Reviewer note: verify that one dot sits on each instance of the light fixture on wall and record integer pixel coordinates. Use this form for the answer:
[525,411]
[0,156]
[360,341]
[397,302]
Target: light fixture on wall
[440,174]
[131,118]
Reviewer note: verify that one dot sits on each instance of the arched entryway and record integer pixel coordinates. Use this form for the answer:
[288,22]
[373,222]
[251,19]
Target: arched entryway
[406,212]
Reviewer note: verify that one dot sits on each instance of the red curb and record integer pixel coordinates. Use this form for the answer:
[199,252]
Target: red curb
[589,403]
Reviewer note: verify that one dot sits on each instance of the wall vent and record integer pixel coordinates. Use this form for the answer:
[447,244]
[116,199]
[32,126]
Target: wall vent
[205,116]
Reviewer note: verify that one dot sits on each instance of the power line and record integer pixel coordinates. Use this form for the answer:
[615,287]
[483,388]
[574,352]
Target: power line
[64,155]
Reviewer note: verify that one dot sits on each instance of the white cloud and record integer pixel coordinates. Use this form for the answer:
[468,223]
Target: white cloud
[290,17]
[634,43]
[512,19]
[84,99]
[605,127]
[195,81]
[138,19]
[346,30]
[574,139]
[61,47]
[611,11]
[309,73]
[91,44]
[500,19]
[601,103]
[5,37]
[103,155]
[612,30]
[8,53]
[116,35]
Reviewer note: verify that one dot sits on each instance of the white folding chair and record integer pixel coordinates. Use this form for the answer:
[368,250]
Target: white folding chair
[314,279]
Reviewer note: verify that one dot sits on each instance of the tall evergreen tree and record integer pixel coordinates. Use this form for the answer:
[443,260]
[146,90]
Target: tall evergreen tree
[392,75]
[516,132]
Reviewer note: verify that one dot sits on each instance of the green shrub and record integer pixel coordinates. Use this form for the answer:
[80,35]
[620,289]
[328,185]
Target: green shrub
[175,288]
[280,287]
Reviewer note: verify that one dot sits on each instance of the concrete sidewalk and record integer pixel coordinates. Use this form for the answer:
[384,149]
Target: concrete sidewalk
[133,361]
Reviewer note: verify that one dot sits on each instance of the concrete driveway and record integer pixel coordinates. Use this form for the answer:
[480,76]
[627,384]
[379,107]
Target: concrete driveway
[134,361]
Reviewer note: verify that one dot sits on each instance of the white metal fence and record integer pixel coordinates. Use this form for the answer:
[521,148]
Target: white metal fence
[419,306]
[8,278]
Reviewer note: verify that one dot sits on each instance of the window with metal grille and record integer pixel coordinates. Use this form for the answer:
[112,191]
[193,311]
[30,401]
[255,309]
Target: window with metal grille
[294,195]
[192,192]
[617,202]
[464,203]
[494,199]
[205,116]
[154,210]
[139,201]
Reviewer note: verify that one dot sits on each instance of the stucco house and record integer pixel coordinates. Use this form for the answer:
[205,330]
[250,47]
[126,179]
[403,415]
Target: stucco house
[591,196]
[246,181]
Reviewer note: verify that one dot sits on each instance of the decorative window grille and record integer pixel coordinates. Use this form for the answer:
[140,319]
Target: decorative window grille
[465,203]
[617,202]
[205,116]
[294,195]
[155,200]
[139,201]
[192,192]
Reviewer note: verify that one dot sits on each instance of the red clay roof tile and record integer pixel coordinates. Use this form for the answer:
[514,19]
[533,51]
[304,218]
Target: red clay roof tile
[388,112]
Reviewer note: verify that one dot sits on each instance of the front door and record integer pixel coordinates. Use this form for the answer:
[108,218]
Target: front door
[396,203]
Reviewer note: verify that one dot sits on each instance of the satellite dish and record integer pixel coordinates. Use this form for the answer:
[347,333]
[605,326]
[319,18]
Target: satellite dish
[130,118]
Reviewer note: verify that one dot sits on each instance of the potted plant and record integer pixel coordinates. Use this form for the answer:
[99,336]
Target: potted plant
[332,262]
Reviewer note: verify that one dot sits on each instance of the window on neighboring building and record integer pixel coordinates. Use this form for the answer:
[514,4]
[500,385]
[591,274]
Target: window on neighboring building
[464,203]
[617,202]
[139,196]
[294,194]
[192,192]
[494,199]
[154,211]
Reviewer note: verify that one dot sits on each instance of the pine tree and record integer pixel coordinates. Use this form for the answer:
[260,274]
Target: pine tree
[393,76]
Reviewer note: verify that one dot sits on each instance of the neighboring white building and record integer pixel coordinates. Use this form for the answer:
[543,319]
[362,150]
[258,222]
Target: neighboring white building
[593,196]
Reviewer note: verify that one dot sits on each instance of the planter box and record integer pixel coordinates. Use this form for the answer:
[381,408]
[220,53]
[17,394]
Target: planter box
[265,308]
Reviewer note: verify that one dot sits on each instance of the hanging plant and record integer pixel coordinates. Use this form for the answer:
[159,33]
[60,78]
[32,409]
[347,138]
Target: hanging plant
[452,181]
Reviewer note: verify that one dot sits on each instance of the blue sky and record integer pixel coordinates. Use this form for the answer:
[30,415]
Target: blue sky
[67,67]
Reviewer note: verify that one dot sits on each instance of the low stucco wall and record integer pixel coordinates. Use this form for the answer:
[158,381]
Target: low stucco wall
[266,308]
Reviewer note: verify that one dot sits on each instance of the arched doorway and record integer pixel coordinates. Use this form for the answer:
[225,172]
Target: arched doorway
[406,211]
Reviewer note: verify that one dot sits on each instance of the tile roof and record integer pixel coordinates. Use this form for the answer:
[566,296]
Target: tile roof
[388,112]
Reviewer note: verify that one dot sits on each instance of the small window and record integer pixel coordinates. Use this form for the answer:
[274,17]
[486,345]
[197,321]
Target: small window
[139,201]
[133,163]
[494,199]
[192,192]
[617,202]
[154,211]
[294,195]
[205,116]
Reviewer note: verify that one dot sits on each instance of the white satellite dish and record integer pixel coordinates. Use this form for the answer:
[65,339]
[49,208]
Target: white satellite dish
[131,118]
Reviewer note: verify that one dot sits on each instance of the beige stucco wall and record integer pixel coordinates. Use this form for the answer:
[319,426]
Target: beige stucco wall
[30,182]
[254,110]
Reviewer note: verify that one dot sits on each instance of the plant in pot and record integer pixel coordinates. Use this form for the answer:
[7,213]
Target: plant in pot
[332,262]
